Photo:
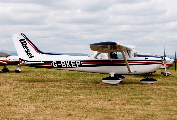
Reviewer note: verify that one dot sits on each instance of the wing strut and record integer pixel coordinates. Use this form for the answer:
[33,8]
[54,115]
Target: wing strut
[126,61]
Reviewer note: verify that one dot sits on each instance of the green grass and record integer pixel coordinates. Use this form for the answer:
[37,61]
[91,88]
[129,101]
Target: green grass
[51,94]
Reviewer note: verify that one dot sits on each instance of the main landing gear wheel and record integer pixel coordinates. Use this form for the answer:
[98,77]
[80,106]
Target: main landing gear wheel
[5,69]
[17,70]
[148,81]
[122,78]
[113,80]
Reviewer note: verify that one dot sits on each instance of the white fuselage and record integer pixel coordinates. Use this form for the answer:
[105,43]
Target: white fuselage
[138,65]
[10,60]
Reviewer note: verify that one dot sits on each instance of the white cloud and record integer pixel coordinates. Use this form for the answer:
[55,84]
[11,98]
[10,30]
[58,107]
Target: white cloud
[57,25]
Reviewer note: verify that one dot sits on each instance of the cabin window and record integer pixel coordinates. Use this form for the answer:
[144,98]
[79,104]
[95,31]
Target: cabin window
[129,53]
[101,56]
[97,55]
[113,55]
[134,54]
[116,55]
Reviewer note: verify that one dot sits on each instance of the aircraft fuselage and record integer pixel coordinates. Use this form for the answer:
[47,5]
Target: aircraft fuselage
[138,65]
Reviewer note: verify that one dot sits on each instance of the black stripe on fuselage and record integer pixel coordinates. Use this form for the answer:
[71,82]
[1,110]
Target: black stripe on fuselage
[91,63]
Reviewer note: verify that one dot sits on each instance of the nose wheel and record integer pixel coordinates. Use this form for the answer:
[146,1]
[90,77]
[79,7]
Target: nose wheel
[17,70]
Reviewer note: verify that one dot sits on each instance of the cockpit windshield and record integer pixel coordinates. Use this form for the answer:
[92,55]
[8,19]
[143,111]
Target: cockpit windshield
[4,54]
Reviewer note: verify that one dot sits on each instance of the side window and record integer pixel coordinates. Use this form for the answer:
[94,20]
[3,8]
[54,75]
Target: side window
[129,53]
[119,54]
[97,55]
[116,55]
[102,56]
[113,55]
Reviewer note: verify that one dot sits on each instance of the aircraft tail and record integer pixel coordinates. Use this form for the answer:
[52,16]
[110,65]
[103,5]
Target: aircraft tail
[26,50]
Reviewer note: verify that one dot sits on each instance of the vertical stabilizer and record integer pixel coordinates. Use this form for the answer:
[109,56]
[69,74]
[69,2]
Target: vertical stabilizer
[25,48]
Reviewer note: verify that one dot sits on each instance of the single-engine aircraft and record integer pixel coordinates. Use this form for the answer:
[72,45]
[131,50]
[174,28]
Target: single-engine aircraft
[105,60]
[7,59]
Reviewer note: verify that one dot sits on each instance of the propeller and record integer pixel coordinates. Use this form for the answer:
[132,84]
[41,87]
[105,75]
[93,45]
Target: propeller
[175,60]
[164,60]
[166,73]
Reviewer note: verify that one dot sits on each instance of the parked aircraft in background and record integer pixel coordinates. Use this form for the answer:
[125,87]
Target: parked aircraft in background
[168,64]
[175,60]
[168,61]
[105,60]
[7,59]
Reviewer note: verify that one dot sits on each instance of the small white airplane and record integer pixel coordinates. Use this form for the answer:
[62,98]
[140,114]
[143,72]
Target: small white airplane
[105,60]
[175,60]
[7,59]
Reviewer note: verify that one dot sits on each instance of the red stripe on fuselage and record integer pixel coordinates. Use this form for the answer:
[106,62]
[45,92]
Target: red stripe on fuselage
[41,63]
[10,62]
[47,64]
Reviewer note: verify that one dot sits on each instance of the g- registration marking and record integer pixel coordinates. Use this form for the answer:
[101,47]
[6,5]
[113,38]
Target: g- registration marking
[66,64]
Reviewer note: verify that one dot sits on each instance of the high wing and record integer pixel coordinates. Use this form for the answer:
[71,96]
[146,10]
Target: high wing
[108,47]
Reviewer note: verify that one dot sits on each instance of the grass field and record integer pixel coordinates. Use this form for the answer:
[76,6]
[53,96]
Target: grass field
[50,94]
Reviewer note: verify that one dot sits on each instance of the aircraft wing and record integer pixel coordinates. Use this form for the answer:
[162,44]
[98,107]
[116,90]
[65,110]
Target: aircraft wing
[107,47]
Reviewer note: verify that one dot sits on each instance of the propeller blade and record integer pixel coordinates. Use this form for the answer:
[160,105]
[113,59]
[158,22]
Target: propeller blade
[165,62]
[175,60]
[164,53]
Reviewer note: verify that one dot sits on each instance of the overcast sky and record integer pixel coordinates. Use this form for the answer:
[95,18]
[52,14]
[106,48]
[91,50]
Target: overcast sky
[69,26]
